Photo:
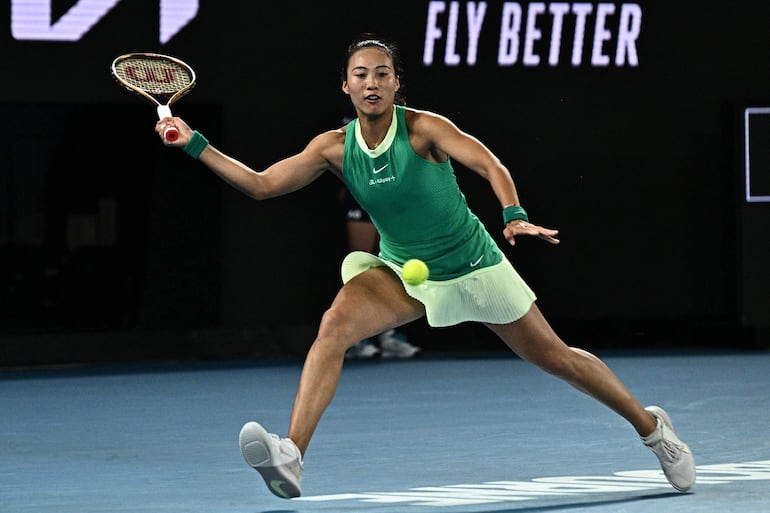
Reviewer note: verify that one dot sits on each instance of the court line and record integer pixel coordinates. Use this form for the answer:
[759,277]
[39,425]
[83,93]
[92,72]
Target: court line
[516,491]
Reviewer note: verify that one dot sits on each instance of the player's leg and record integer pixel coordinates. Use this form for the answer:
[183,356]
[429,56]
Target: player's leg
[532,338]
[370,303]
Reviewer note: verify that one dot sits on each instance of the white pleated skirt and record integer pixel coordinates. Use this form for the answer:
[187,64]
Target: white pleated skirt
[495,294]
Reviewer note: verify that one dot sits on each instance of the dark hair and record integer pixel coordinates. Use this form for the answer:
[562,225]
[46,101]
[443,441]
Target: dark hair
[368,40]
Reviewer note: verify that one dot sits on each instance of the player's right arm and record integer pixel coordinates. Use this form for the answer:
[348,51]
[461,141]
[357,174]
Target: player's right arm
[285,176]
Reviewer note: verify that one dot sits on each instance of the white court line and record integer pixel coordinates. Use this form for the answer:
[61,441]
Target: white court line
[515,491]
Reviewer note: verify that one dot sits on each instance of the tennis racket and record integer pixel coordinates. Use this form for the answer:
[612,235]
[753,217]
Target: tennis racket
[158,78]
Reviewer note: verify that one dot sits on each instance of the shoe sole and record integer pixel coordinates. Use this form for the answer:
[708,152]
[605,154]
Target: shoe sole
[255,448]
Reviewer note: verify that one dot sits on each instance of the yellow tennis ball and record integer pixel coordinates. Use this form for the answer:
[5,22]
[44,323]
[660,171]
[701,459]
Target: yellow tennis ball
[414,271]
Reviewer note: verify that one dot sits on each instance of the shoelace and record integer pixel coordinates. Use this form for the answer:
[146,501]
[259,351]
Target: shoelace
[671,451]
[295,465]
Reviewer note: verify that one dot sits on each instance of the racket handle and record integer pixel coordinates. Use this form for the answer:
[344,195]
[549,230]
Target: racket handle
[164,111]
[171,134]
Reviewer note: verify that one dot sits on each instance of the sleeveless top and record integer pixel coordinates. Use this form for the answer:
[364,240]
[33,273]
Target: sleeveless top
[416,205]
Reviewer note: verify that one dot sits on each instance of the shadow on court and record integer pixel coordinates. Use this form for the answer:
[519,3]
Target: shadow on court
[562,505]
[581,505]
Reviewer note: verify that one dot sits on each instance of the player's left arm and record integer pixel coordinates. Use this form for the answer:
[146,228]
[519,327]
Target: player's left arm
[473,154]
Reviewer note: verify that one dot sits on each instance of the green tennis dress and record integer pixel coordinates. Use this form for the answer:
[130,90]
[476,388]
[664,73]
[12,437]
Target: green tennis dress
[420,212]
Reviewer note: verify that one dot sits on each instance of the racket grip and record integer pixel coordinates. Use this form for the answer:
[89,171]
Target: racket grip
[171,134]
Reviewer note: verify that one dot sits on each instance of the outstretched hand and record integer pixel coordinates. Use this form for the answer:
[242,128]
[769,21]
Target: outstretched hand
[521,227]
[185,132]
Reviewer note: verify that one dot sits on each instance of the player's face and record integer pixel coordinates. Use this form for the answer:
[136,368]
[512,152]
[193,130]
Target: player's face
[371,81]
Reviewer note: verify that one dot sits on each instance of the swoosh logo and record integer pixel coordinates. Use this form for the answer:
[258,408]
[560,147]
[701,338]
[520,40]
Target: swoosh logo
[375,171]
[474,264]
[276,484]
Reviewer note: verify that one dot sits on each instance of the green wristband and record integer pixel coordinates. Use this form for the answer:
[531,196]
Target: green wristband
[195,145]
[513,213]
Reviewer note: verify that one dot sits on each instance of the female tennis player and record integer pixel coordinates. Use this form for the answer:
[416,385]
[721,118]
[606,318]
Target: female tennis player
[397,163]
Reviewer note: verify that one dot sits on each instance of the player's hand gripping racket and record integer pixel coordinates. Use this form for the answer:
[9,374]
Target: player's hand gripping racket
[159,78]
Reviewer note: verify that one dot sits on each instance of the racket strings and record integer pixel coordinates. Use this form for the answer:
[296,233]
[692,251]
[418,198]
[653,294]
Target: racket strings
[154,76]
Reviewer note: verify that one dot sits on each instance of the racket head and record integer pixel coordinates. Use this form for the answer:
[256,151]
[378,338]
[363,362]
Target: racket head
[159,78]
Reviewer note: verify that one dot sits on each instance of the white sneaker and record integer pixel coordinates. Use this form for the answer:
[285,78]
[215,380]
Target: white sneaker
[395,345]
[675,456]
[278,460]
[362,351]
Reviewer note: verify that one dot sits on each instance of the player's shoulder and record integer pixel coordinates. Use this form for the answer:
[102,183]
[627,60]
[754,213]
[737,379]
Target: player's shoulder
[425,121]
[422,116]
[330,138]
[328,145]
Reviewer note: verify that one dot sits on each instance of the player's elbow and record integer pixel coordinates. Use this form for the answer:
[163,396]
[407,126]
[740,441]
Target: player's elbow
[260,186]
[260,193]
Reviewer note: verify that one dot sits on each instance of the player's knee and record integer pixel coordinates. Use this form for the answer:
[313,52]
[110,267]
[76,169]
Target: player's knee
[336,329]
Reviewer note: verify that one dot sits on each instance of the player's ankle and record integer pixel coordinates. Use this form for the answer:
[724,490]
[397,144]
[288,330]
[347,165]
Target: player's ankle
[646,431]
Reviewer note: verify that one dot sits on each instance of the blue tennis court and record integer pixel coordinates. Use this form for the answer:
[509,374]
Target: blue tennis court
[448,433]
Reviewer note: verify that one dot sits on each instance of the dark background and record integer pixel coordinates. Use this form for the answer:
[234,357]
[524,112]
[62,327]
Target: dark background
[114,247]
